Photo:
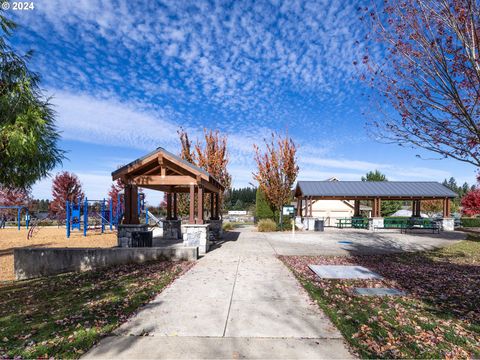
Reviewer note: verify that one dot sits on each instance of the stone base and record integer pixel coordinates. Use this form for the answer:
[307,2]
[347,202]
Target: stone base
[216,229]
[172,229]
[448,224]
[124,233]
[374,223]
[197,235]
[309,223]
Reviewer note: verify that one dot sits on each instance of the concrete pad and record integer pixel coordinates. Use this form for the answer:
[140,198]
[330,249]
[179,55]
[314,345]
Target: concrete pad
[154,347]
[343,272]
[379,292]
[278,318]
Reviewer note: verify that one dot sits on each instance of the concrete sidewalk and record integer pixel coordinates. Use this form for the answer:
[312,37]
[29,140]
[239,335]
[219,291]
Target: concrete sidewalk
[238,301]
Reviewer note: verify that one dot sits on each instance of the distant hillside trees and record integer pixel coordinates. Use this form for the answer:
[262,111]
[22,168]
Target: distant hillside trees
[388,206]
[429,74]
[28,135]
[65,186]
[241,198]
[277,170]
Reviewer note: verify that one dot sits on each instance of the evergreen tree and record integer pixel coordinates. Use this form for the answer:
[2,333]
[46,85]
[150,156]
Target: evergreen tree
[388,206]
[263,209]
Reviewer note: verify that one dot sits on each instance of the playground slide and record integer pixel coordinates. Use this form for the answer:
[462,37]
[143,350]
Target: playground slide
[157,221]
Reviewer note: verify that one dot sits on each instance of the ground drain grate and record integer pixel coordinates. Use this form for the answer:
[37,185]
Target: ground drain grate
[379,292]
[343,272]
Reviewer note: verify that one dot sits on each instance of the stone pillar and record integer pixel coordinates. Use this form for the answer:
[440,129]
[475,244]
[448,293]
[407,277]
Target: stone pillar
[124,233]
[172,229]
[375,222]
[197,235]
[448,224]
[215,229]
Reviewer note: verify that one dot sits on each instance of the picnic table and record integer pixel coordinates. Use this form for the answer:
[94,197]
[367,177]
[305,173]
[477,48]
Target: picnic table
[420,224]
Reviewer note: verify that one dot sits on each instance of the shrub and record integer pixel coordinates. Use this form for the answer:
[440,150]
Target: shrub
[470,222]
[228,226]
[263,209]
[266,225]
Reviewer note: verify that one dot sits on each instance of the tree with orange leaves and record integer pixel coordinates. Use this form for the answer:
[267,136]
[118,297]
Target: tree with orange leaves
[212,155]
[277,170]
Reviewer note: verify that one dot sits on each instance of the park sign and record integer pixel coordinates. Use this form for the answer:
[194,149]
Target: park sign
[288,210]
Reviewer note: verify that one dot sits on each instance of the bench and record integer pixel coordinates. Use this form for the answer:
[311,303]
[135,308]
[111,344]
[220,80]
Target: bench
[357,223]
[420,224]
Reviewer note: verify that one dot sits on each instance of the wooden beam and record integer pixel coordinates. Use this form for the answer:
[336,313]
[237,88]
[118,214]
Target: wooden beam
[356,207]
[217,206]
[131,210]
[143,180]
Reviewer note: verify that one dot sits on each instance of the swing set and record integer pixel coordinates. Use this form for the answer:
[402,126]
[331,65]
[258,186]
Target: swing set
[19,214]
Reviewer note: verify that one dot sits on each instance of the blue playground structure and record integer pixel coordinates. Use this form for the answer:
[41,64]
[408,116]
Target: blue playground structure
[19,214]
[102,211]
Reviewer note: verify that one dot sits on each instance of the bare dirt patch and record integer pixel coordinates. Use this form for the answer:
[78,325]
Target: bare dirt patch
[51,236]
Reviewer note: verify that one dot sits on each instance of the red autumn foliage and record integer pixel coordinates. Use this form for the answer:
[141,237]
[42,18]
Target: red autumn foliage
[117,187]
[14,197]
[471,203]
[427,68]
[65,186]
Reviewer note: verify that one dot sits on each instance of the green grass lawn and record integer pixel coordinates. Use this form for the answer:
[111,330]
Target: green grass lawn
[439,317]
[63,316]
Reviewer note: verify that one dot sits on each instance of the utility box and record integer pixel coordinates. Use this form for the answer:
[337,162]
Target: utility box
[142,239]
[319,225]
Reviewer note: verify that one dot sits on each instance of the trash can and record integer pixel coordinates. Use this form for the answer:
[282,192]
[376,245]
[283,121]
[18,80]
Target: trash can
[319,225]
[142,238]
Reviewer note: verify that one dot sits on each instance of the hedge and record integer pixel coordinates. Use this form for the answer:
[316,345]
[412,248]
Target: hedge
[470,222]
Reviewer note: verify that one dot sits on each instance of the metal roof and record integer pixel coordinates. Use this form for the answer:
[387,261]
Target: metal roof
[406,189]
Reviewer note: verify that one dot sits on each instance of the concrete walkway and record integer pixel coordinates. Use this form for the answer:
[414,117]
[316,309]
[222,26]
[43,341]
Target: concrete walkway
[238,301]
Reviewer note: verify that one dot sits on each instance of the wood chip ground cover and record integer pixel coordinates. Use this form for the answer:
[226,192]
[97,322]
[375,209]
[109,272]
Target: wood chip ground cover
[439,318]
[63,316]
[50,236]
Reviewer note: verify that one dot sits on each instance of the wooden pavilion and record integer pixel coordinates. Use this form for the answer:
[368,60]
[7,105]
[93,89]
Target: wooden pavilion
[163,171]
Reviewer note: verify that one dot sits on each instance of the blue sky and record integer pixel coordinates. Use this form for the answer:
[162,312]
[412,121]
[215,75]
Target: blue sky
[125,75]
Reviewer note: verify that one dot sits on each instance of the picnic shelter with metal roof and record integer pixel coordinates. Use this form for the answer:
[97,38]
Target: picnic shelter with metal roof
[375,191]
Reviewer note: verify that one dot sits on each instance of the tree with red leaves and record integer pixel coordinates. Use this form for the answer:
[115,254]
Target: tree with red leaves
[429,73]
[277,170]
[117,187]
[471,203]
[65,186]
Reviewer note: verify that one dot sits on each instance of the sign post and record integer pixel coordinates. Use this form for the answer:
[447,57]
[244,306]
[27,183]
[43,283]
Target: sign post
[289,212]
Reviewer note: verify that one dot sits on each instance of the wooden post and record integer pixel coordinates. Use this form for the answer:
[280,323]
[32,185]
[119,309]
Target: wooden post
[417,208]
[169,206]
[299,209]
[212,205]
[217,206]
[131,206]
[379,207]
[356,205]
[374,208]
[191,219]
[200,205]
[311,205]
[414,204]
[175,206]
[446,208]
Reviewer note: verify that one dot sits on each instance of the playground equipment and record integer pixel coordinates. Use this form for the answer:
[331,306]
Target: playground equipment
[19,214]
[102,211]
